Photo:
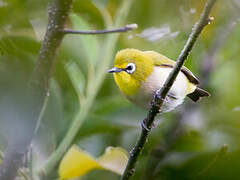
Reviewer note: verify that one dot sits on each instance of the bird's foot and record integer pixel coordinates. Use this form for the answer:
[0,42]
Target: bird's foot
[144,126]
[158,94]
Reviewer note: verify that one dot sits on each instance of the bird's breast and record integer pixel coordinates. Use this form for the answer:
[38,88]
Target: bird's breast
[156,81]
[127,85]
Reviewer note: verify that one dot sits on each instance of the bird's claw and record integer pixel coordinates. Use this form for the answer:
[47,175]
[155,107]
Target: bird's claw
[143,124]
[157,95]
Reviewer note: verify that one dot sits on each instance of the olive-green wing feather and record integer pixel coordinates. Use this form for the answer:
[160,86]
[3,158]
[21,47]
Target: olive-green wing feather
[160,60]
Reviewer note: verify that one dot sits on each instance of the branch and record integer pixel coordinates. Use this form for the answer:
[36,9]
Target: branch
[161,95]
[223,151]
[38,87]
[127,28]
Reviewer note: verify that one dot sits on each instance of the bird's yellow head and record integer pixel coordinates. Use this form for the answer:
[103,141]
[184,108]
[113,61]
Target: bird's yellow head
[131,68]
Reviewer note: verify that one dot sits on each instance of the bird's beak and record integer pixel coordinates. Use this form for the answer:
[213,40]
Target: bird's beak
[115,70]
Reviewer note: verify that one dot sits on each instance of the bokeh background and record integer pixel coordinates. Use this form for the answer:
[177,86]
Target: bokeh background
[196,141]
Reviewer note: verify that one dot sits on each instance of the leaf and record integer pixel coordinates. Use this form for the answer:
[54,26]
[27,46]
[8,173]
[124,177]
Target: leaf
[114,159]
[109,104]
[89,43]
[77,162]
[19,46]
[77,77]
[97,124]
[102,3]
[204,165]
[88,9]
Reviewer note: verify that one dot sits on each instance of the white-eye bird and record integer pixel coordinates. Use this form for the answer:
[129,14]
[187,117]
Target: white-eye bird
[139,74]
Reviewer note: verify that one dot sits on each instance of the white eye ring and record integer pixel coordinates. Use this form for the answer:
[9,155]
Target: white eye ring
[131,68]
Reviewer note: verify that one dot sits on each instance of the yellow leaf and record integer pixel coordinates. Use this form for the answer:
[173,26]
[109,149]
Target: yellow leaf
[114,159]
[76,163]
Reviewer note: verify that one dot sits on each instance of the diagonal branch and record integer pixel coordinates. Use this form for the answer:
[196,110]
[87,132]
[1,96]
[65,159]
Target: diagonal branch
[161,95]
[127,28]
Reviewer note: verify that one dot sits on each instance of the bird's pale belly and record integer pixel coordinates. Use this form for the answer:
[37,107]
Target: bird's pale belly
[155,81]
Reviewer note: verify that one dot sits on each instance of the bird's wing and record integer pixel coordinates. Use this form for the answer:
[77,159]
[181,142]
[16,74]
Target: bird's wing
[160,60]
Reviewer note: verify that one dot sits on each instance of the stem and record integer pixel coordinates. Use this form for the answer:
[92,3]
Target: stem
[158,102]
[39,87]
[221,153]
[128,27]
[95,84]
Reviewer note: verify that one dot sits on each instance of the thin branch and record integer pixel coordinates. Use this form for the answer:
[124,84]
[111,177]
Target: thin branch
[221,153]
[161,95]
[127,28]
[38,88]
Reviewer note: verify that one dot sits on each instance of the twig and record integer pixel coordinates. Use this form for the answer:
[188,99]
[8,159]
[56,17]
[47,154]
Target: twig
[222,152]
[127,28]
[39,87]
[161,95]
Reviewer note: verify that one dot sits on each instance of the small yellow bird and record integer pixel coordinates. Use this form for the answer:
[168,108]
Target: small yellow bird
[139,74]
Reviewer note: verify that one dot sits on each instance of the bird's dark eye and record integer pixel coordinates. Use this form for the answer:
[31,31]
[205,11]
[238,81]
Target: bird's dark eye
[131,67]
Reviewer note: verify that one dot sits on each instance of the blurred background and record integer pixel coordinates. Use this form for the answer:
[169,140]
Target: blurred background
[196,141]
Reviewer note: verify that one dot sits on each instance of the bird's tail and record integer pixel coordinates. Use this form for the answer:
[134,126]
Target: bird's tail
[198,94]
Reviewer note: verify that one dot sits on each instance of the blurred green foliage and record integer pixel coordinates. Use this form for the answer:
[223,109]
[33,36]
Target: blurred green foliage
[112,120]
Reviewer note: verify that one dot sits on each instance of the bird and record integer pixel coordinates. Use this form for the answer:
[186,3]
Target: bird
[140,74]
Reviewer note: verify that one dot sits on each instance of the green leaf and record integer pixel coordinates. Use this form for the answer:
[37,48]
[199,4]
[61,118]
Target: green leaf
[206,165]
[102,3]
[77,78]
[89,10]
[88,42]
[97,124]
[109,104]
[19,46]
